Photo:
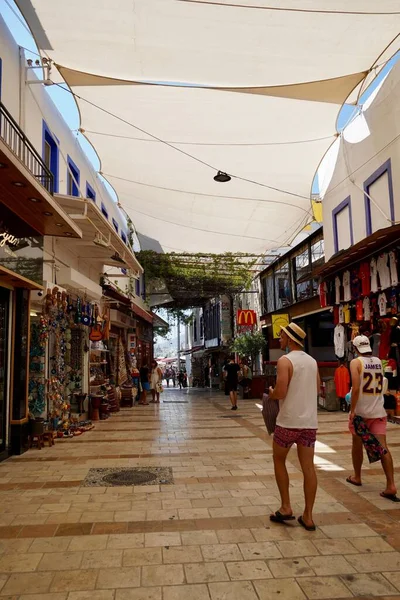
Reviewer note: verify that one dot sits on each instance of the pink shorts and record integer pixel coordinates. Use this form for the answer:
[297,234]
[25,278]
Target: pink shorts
[376,426]
[302,437]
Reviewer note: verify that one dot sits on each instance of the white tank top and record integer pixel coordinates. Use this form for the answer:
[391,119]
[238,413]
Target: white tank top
[370,401]
[299,409]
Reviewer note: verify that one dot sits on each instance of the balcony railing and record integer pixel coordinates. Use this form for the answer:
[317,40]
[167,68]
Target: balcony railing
[18,143]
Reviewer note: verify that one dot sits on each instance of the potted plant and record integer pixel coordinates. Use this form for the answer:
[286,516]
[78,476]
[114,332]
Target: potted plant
[249,345]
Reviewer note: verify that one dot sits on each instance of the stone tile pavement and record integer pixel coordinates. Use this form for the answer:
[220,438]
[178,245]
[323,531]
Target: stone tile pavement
[207,536]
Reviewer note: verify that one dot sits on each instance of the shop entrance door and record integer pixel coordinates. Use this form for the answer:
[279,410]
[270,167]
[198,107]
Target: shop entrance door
[4,332]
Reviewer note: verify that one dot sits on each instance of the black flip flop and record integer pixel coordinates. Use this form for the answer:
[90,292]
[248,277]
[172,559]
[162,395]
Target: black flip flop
[350,480]
[391,497]
[278,517]
[306,527]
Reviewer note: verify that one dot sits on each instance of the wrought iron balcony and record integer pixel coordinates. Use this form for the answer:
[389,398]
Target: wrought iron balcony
[13,136]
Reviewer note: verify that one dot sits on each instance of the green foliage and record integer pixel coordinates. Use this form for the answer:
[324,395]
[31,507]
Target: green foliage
[193,278]
[249,344]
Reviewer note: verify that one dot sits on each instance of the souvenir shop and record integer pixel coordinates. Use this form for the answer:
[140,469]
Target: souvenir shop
[362,287]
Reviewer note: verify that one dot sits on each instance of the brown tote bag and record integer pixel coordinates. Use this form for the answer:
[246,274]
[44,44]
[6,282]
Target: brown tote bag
[270,412]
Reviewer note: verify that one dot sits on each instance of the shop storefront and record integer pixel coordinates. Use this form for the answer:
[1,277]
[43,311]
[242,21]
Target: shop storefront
[362,284]
[28,213]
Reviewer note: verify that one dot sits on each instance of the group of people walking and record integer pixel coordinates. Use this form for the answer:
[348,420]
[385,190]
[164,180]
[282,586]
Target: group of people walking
[151,378]
[296,390]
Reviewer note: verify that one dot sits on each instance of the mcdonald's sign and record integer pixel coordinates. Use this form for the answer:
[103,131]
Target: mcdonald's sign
[246,318]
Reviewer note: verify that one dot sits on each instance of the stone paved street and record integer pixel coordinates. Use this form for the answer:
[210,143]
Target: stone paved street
[208,534]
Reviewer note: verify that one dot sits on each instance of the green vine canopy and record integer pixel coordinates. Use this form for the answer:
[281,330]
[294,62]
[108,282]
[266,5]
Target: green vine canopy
[192,279]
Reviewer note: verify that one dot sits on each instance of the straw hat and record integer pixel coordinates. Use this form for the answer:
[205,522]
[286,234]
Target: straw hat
[295,333]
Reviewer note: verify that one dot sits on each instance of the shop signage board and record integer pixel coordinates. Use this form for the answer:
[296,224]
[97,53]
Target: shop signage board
[279,321]
[226,328]
[246,319]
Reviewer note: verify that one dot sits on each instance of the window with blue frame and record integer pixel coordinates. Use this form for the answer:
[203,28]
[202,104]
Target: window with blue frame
[123,237]
[104,210]
[73,178]
[114,222]
[137,287]
[50,154]
[90,193]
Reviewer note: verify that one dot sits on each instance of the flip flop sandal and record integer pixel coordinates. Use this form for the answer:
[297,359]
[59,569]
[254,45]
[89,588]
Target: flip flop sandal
[306,527]
[278,517]
[350,480]
[391,497]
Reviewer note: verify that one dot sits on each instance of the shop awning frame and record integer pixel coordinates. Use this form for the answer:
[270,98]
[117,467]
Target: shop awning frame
[17,281]
[100,240]
[366,248]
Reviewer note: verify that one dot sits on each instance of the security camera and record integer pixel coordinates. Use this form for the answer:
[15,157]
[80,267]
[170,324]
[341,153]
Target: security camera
[40,293]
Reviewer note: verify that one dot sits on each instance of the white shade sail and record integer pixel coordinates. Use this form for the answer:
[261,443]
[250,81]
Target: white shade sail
[298,62]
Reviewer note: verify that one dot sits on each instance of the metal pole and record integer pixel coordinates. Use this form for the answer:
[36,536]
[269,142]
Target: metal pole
[179,344]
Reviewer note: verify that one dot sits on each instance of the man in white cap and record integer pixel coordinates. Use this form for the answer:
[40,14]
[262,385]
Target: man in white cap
[367,401]
[296,388]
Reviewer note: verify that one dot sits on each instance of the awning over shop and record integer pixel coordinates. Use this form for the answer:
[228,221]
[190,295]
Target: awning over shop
[171,91]
[26,207]
[100,243]
[378,241]
[14,280]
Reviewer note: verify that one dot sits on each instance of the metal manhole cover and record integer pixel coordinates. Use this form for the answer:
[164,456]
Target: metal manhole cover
[130,478]
[124,476]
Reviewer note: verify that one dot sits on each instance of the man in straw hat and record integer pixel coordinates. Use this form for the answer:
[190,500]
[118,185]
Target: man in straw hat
[296,388]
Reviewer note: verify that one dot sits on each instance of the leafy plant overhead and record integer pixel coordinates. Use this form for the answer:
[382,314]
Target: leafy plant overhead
[191,279]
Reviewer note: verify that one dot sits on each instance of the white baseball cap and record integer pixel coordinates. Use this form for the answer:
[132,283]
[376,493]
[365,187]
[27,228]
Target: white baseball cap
[362,344]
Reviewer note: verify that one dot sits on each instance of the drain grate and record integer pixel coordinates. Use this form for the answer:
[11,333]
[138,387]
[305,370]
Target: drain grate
[129,476]
[175,401]
[233,416]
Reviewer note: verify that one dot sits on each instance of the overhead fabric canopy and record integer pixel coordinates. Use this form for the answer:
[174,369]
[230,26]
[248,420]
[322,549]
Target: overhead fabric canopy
[251,89]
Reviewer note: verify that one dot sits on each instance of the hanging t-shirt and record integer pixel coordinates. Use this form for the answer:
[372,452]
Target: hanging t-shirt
[384,346]
[367,309]
[374,276]
[346,313]
[337,290]
[336,315]
[394,279]
[383,270]
[322,290]
[346,286]
[339,340]
[393,303]
[342,381]
[375,341]
[365,276]
[341,314]
[359,310]
[382,302]
[355,284]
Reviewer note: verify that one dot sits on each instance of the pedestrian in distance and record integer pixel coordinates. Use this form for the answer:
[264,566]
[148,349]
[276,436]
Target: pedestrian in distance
[232,370]
[144,373]
[296,389]
[156,378]
[367,402]
[173,376]
[167,376]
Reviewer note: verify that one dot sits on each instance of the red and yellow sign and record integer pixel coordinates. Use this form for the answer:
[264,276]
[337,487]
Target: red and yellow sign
[246,318]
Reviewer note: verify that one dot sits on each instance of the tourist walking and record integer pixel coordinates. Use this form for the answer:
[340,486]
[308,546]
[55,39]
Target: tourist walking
[167,376]
[144,374]
[232,378]
[156,378]
[173,376]
[296,388]
[367,402]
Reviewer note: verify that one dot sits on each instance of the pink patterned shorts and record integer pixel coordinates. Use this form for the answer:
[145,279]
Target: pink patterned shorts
[302,437]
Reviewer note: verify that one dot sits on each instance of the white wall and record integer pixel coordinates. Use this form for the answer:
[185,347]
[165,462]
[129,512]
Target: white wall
[30,105]
[357,162]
